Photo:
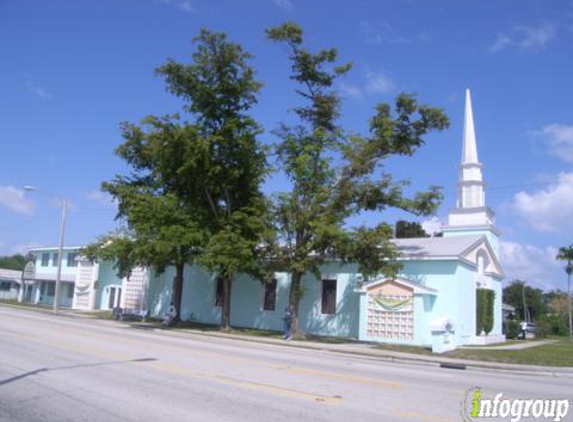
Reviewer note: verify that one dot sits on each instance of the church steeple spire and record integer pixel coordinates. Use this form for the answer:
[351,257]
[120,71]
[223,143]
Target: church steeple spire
[471,216]
[469,153]
[470,210]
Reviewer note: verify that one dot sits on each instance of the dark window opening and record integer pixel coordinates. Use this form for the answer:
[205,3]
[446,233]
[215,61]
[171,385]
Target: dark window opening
[219,293]
[5,285]
[51,289]
[270,299]
[71,291]
[328,297]
[55,260]
[71,262]
[45,259]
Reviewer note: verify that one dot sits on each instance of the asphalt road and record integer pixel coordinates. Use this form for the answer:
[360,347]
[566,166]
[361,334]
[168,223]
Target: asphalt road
[56,368]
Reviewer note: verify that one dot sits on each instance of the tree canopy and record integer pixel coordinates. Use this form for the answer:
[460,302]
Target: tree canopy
[15,262]
[336,174]
[193,193]
[408,229]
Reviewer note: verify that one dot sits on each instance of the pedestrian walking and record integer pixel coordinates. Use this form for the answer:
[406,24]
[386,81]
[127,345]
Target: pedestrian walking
[170,316]
[287,323]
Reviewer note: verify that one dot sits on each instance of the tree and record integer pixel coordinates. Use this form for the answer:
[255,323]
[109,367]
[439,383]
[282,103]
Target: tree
[513,295]
[194,186]
[407,229]
[228,162]
[15,262]
[566,254]
[332,171]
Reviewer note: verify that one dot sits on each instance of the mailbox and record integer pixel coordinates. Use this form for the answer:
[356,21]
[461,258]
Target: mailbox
[443,335]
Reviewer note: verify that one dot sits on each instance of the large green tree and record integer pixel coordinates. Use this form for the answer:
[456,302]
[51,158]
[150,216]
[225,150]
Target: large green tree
[566,254]
[336,174]
[193,193]
[514,294]
[408,229]
[15,262]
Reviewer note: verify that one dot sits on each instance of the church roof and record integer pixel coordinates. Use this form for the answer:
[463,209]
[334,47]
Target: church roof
[435,247]
[463,248]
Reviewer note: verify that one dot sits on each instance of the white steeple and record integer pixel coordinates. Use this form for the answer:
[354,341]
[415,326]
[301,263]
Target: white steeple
[469,153]
[470,210]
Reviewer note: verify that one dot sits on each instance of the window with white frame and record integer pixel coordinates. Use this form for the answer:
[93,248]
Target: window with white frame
[45,259]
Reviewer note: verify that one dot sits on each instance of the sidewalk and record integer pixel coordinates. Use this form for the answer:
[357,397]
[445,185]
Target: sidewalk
[516,346]
[351,348]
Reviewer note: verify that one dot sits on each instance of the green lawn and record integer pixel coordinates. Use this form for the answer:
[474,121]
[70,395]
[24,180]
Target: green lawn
[555,354]
[14,302]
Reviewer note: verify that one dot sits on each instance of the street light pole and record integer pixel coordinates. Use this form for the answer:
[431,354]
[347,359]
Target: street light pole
[60,252]
[64,204]
[569,270]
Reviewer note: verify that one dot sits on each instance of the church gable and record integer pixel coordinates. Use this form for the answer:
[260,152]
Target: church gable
[482,256]
[397,286]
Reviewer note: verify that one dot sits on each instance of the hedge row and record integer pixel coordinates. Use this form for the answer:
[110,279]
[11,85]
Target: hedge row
[484,310]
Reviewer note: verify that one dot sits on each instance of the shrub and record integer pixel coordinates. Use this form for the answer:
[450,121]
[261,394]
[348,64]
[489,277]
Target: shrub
[485,300]
[550,325]
[512,329]
[488,317]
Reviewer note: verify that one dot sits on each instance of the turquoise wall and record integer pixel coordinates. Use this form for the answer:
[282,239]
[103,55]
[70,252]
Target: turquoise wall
[107,276]
[455,297]
[247,301]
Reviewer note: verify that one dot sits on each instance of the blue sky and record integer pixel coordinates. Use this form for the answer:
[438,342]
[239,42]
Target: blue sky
[71,71]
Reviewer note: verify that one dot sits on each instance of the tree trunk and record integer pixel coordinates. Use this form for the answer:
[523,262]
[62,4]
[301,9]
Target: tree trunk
[226,308]
[294,299]
[178,290]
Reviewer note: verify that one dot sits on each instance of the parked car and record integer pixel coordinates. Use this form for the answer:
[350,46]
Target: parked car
[530,330]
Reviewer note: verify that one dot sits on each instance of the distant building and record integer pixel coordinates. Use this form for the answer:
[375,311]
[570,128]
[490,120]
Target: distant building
[10,282]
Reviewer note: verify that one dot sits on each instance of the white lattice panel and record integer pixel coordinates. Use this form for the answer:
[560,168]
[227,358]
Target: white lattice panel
[390,324]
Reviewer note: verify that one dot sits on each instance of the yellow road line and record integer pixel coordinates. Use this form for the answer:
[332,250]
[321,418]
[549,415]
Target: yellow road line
[223,356]
[389,384]
[246,384]
[181,371]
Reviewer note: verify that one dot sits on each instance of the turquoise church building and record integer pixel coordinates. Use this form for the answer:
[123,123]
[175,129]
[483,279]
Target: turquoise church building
[432,301]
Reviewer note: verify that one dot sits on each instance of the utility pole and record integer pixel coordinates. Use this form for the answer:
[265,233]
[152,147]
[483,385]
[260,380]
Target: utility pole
[569,270]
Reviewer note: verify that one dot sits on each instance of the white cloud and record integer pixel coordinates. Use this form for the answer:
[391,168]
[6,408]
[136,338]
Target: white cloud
[383,34]
[284,4]
[184,5]
[501,41]
[25,248]
[525,38]
[37,90]
[100,197]
[550,209]
[433,226]
[16,200]
[378,83]
[559,138]
[351,91]
[530,263]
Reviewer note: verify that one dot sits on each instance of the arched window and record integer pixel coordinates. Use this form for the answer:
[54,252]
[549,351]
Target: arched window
[482,261]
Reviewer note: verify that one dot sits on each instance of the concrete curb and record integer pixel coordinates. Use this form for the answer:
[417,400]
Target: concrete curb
[397,357]
[356,349]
